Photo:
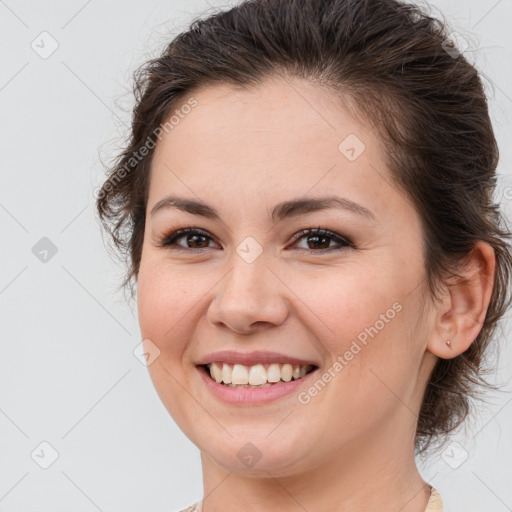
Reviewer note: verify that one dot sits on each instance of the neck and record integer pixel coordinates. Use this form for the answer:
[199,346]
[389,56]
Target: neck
[377,473]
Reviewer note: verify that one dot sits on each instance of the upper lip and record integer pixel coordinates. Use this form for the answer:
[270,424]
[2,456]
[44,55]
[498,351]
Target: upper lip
[251,358]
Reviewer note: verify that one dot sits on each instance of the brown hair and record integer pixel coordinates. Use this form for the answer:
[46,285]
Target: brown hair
[393,64]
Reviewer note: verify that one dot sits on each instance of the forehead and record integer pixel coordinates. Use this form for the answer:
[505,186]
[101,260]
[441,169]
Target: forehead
[281,139]
[274,118]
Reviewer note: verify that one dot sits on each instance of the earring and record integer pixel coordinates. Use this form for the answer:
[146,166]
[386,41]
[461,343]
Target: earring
[449,343]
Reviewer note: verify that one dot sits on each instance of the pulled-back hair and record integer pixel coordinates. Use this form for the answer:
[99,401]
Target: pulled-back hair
[394,65]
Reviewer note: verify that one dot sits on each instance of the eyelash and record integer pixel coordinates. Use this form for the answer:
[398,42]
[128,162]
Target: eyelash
[169,239]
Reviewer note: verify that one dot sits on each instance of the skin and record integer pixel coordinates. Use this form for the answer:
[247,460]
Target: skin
[352,446]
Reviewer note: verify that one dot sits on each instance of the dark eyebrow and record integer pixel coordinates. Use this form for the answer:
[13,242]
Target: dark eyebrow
[281,211]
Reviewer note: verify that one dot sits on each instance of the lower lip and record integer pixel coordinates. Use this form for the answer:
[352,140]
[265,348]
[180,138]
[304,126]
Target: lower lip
[243,396]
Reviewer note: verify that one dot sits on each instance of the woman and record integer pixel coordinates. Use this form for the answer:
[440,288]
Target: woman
[306,207]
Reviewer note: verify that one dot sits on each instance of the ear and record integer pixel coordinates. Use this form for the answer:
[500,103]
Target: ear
[461,310]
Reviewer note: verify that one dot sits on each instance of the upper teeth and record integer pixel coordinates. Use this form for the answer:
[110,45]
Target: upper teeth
[257,374]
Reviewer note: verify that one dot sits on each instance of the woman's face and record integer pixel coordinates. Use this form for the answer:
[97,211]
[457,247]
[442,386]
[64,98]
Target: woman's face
[348,302]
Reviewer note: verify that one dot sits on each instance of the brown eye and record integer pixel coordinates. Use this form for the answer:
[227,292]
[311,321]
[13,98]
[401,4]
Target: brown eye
[319,240]
[194,239]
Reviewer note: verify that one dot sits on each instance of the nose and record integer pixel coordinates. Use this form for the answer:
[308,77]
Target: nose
[249,298]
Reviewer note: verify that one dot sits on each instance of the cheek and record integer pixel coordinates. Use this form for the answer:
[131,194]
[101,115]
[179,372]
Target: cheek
[346,304]
[363,324]
[165,306]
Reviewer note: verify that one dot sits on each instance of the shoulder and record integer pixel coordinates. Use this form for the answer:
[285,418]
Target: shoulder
[435,503]
[192,508]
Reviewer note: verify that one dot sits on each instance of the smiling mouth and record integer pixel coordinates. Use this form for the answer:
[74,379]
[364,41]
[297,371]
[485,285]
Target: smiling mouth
[255,376]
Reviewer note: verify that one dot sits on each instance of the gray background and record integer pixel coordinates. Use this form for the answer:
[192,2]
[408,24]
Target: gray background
[68,375]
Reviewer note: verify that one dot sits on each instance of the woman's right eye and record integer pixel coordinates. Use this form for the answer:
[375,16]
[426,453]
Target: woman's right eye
[191,235]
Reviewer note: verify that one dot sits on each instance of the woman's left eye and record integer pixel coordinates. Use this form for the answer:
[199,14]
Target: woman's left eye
[321,238]
[318,239]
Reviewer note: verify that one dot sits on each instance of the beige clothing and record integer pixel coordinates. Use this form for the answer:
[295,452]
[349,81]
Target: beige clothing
[435,504]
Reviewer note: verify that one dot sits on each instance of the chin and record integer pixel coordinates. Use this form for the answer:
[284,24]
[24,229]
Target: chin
[258,455]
